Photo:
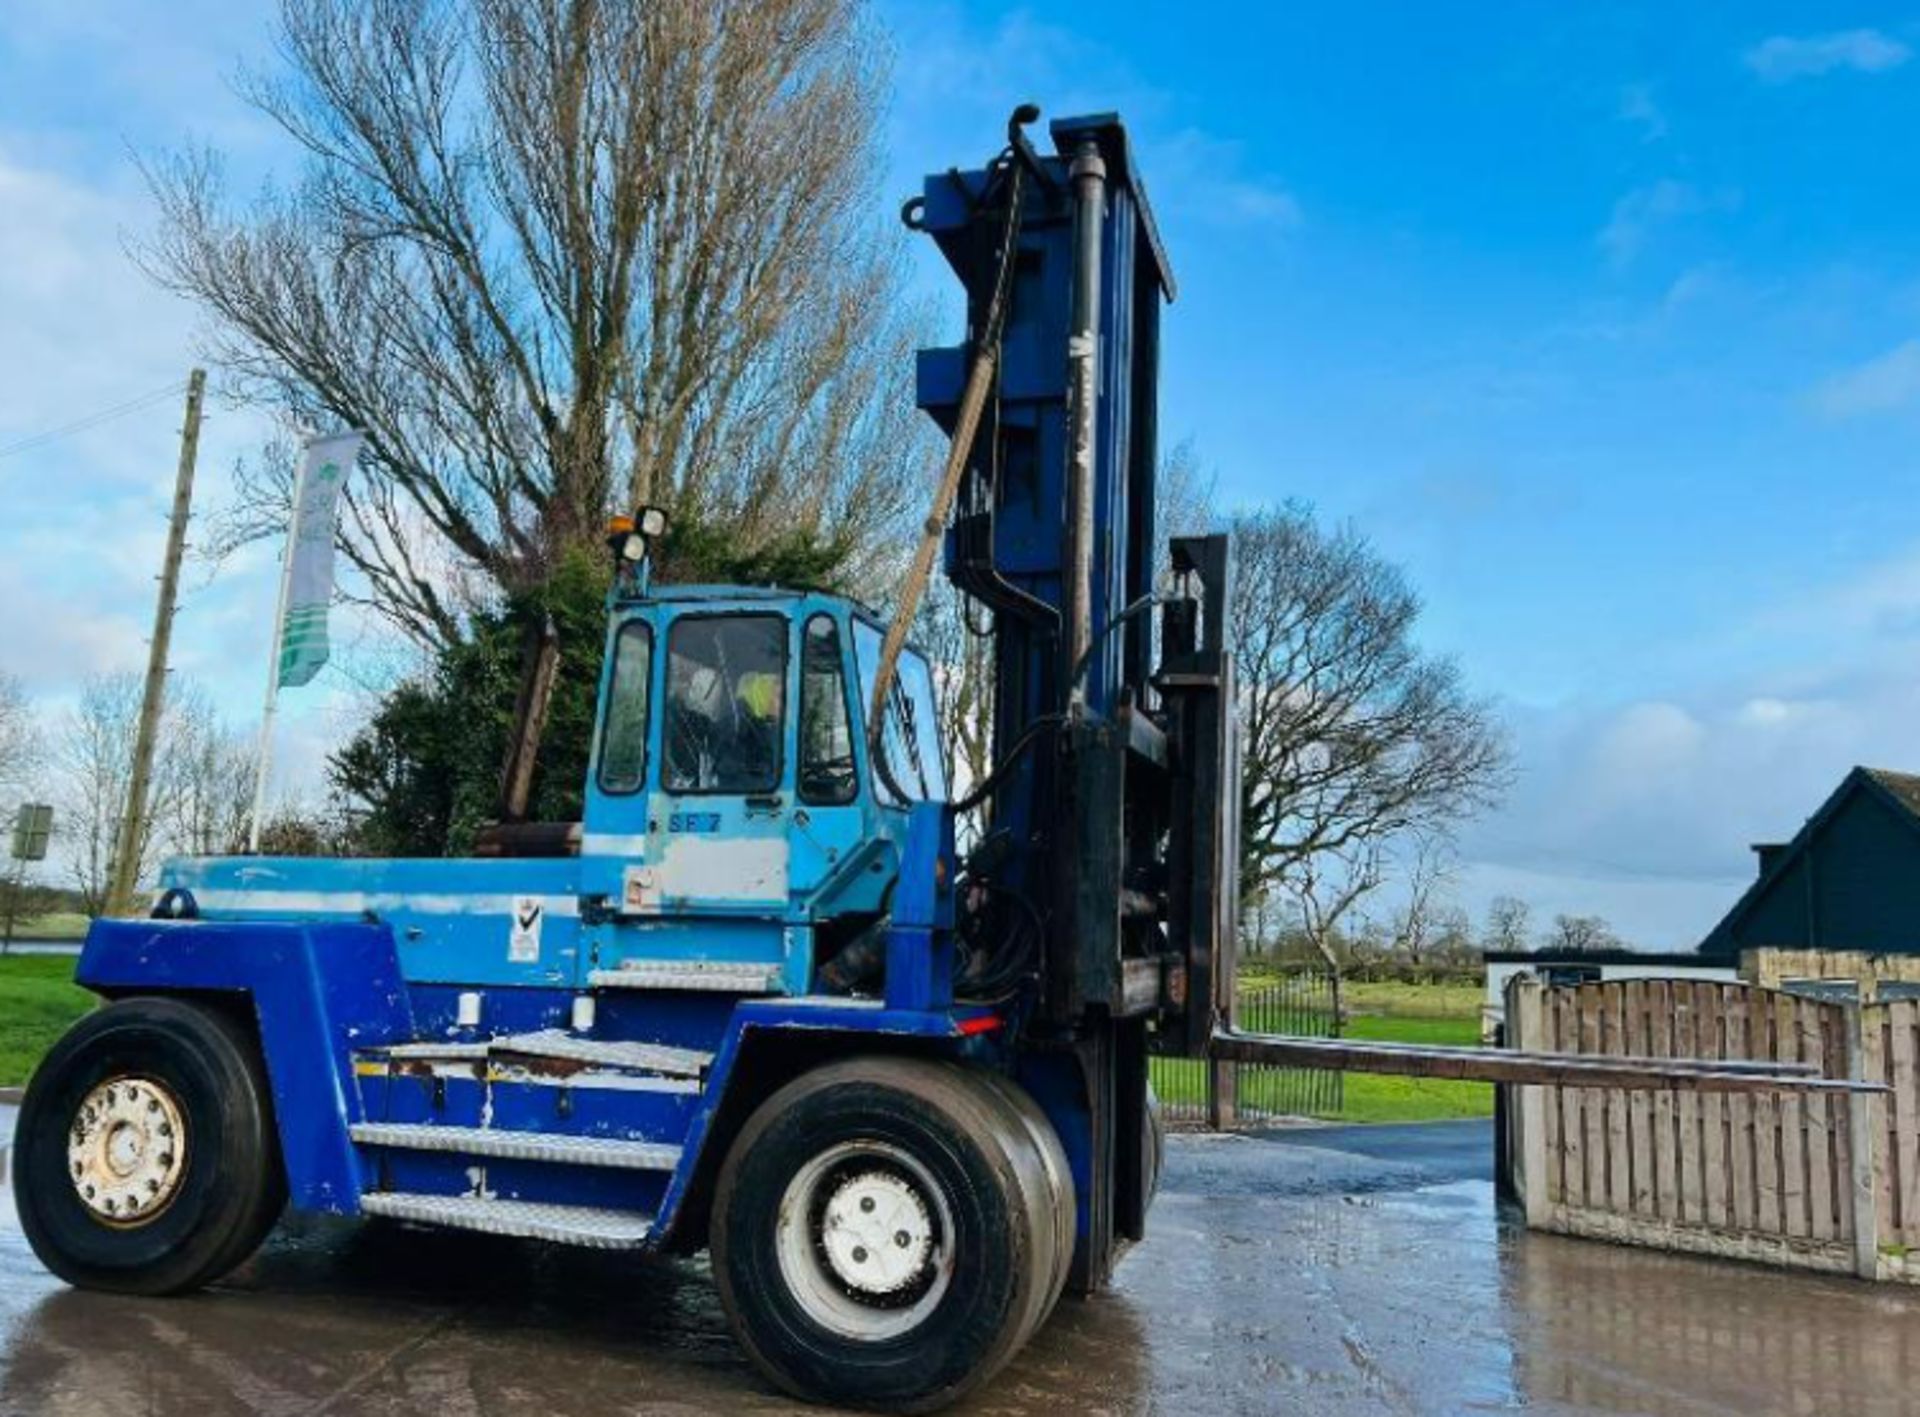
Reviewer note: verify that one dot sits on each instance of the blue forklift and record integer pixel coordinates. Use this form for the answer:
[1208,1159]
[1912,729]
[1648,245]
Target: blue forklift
[756,1001]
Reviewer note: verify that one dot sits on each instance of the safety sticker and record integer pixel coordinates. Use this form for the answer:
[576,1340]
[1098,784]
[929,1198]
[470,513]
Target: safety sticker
[523,942]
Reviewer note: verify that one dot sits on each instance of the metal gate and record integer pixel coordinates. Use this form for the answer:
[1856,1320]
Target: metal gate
[1298,1005]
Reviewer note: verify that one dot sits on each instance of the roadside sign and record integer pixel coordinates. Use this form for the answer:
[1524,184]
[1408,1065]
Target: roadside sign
[31,831]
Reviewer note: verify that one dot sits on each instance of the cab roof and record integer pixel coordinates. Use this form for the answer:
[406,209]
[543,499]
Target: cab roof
[765,594]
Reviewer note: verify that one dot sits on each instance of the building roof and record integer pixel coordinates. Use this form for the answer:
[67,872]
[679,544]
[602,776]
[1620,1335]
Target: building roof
[1900,790]
[1548,955]
[1903,786]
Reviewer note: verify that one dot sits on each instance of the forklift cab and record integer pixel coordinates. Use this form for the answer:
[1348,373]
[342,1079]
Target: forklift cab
[732,810]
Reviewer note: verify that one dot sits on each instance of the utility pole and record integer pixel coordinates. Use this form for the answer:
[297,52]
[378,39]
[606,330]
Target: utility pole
[126,856]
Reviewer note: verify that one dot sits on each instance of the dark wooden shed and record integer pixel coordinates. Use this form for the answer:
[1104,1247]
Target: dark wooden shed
[1850,880]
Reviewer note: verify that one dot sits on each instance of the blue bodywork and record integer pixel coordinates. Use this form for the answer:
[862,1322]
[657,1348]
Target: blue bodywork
[334,961]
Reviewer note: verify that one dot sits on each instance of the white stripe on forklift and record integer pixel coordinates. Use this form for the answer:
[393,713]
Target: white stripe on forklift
[613,844]
[464,1072]
[377,902]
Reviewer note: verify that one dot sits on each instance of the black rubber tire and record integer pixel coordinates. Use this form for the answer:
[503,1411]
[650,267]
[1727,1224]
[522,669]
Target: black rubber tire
[233,1186]
[1051,1191]
[954,1122]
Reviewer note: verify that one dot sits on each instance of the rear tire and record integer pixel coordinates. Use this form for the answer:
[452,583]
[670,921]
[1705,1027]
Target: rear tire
[146,1160]
[884,1234]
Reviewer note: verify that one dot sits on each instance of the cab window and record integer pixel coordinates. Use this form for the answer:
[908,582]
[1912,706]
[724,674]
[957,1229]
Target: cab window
[915,764]
[623,737]
[826,733]
[726,703]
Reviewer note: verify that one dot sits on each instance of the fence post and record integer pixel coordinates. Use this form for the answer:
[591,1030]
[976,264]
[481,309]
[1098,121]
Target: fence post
[1526,1027]
[1222,1079]
[1860,1136]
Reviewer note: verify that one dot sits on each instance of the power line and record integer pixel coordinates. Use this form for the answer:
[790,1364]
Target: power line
[90,420]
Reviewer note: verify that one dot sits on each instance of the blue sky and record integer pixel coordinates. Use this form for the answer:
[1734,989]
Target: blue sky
[1604,320]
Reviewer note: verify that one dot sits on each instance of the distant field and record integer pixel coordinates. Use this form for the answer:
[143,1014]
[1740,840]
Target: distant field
[38,999]
[1414,1013]
[1400,1013]
[68,925]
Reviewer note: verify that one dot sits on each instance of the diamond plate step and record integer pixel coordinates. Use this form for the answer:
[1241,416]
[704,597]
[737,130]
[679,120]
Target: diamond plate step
[718,976]
[606,1053]
[614,1152]
[562,1224]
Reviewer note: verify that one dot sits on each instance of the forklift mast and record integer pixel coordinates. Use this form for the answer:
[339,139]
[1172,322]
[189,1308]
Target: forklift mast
[1113,780]
[1110,801]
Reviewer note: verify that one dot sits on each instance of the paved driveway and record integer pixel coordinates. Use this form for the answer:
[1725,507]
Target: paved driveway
[1322,1271]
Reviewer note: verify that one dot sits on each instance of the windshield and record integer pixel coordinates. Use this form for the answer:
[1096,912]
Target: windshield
[726,679]
[912,737]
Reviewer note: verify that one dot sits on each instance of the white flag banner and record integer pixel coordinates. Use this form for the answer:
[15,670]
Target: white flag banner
[309,576]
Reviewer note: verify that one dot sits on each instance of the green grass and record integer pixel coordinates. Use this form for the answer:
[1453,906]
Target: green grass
[38,1000]
[1398,1013]
[1410,1001]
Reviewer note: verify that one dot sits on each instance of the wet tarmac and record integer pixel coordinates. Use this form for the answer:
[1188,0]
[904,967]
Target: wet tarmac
[1325,1271]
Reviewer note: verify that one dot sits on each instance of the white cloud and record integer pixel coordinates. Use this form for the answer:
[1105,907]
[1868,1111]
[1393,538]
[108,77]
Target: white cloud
[1203,179]
[1637,215]
[1882,384]
[1258,203]
[1637,107]
[1645,811]
[957,78]
[1786,57]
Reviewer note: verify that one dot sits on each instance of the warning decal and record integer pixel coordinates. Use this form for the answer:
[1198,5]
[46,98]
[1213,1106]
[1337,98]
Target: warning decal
[523,943]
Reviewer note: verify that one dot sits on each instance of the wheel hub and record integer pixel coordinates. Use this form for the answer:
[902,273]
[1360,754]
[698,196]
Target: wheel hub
[865,1240]
[877,1233]
[127,1150]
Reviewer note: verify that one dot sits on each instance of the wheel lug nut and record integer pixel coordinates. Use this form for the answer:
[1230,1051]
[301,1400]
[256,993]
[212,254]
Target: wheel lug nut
[859,1254]
[902,1239]
[866,1203]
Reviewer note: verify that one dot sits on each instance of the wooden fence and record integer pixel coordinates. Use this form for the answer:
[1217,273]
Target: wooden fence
[1813,1180]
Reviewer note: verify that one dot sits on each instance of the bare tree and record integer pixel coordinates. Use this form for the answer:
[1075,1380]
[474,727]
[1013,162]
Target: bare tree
[1424,915]
[1509,925]
[94,765]
[1581,934]
[20,740]
[20,760]
[561,256]
[1184,492]
[1353,736]
[213,766]
[958,641]
[1327,888]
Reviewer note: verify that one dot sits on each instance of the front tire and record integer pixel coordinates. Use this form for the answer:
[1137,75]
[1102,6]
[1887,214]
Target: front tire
[884,1234]
[146,1160]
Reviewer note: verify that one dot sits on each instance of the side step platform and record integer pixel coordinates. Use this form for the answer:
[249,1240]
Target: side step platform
[586,1226]
[612,1152]
[560,1046]
[700,975]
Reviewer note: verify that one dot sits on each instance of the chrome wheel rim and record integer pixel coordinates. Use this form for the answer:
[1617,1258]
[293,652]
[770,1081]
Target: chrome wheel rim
[864,1239]
[127,1150]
